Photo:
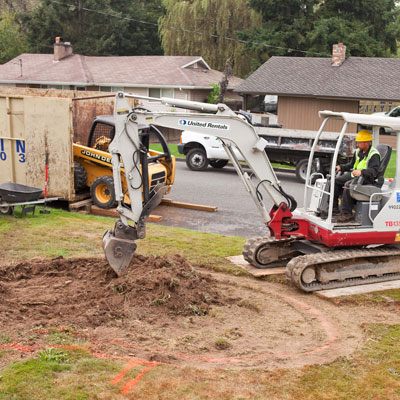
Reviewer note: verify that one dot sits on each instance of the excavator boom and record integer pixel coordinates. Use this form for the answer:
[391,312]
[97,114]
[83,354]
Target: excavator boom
[126,149]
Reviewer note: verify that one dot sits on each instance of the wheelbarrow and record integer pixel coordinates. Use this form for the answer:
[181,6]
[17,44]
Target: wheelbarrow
[15,194]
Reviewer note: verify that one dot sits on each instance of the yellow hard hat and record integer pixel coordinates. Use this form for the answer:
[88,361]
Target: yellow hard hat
[364,136]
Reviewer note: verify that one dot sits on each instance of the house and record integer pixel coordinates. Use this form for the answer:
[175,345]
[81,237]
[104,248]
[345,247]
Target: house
[182,77]
[306,85]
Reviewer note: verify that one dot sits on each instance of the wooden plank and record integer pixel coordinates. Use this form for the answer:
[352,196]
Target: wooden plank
[81,196]
[155,218]
[113,213]
[257,272]
[169,202]
[105,212]
[349,291]
[79,204]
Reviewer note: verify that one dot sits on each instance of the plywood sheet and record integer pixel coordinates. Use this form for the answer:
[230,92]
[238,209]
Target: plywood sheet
[349,291]
[48,128]
[257,272]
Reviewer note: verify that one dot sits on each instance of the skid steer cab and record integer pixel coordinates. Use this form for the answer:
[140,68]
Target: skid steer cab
[93,167]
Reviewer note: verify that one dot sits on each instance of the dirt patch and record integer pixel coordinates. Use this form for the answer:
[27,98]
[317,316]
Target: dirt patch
[167,310]
[86,292]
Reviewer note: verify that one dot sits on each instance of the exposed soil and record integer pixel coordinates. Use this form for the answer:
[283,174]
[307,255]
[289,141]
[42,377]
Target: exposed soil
[167,310]
[87,293]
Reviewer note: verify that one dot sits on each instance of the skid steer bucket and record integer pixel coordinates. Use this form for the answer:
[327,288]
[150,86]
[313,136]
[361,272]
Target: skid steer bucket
[118,252]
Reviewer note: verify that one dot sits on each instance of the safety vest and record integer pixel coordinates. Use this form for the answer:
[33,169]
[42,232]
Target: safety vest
[360,165]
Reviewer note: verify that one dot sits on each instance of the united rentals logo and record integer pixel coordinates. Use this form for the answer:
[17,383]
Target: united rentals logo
[203,124]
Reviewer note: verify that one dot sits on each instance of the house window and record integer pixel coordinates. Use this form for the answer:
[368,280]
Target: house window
[81,88]
[59,87]
[158,93]
[117,89]
[105,89]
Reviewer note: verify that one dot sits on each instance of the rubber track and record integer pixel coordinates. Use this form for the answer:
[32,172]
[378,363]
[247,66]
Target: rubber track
[252,246]
[297,265]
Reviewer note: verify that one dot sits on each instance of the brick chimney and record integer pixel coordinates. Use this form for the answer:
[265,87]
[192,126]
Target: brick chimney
[61,49]
[338,54]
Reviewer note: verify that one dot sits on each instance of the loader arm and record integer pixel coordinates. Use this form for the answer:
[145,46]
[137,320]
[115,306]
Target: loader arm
[126,147]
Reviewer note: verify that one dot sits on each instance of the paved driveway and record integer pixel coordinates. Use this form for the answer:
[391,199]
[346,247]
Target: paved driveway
[237,214]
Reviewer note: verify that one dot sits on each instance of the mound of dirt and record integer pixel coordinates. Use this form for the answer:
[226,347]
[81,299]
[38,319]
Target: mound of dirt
[86,292]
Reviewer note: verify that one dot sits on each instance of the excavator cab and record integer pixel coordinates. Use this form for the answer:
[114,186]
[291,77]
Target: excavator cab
[368,197]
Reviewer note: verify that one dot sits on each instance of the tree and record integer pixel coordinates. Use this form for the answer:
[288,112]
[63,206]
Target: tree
[208,28]
[15,6]
[12,40]
[285,25]
[228,72]
[97,27]
[368,28]
[139,35]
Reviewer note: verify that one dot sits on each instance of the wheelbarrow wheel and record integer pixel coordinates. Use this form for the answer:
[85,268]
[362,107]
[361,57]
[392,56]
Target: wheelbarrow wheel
[103,193]
[5,210]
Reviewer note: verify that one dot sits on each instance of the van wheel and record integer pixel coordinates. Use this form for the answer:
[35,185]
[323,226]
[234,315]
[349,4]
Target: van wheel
[79,177]
[103,193]
[218,163]
[196,159]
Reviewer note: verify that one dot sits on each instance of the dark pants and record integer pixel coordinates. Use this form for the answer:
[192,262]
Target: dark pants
[342,184]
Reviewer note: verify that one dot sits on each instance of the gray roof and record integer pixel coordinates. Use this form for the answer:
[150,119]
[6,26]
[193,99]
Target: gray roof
[355,78]
[190,72]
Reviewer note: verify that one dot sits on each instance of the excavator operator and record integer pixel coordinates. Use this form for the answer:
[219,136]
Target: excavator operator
[365,163]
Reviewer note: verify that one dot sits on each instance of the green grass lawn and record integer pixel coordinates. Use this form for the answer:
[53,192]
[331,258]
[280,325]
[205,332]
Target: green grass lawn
[391,168]
[71,234]
[172,147]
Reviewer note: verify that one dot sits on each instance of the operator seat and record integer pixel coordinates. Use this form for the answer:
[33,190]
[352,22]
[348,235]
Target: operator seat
[362,192]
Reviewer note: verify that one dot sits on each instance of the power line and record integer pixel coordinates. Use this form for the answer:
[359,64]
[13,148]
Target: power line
[72,7]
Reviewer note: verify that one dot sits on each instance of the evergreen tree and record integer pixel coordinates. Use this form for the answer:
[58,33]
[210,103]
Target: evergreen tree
[284,29]
[367,27]
[96,27]
[15,6]
[12,40]
[206,28]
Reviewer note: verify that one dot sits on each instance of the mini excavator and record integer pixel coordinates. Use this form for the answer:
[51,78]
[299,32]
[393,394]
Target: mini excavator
[319,253]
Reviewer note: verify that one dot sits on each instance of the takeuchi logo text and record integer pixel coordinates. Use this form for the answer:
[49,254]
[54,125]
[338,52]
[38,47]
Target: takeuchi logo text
[203,124]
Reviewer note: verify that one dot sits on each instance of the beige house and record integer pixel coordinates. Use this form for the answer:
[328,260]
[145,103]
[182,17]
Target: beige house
[181,77]
[306,85]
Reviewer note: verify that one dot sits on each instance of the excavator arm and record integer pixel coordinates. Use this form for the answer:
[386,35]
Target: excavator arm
[219,120]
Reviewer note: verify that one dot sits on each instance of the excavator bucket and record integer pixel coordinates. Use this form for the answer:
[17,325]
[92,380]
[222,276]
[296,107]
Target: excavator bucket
[118,252]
